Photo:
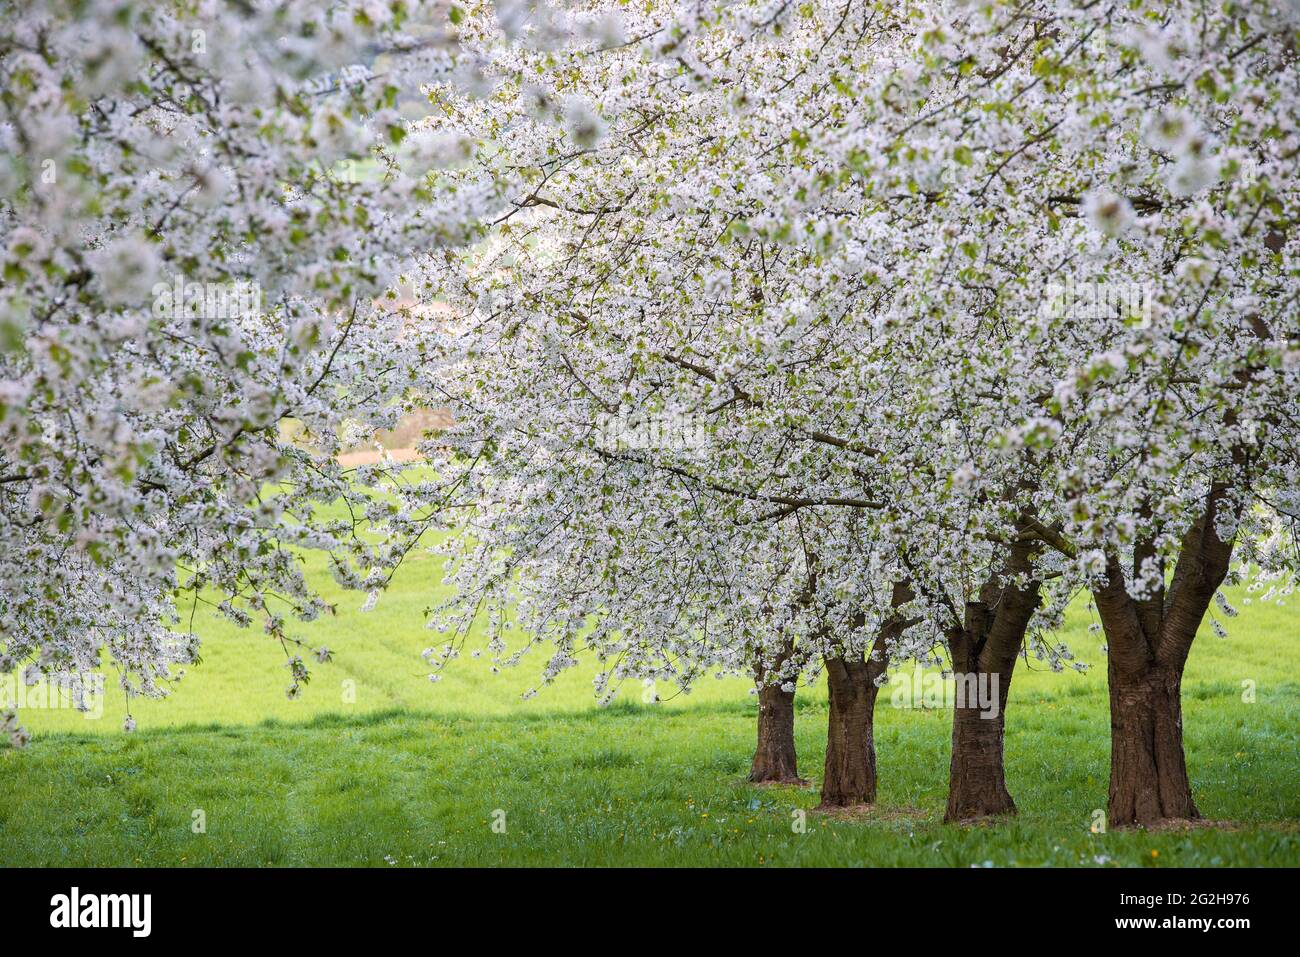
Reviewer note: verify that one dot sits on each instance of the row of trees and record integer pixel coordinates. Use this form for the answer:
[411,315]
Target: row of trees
[825,336]
[793,339]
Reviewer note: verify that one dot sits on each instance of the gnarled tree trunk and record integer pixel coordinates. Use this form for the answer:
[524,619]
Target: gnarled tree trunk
[1148,641]
[850,774]
[775,761]
[977,785]
[1148,771]
[984,653]
[849,777]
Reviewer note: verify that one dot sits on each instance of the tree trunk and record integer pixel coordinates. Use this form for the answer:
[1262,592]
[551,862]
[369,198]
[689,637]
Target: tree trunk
[977,785]
[1148,771]
[849,778]
[984,651]
[774,758]
[1147,643]
[850,774]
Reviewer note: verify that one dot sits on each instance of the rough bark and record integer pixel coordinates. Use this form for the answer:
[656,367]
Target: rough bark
[984,653]
[775,760]
[849,777]
[1148,770]
[977,785]
[1148,641]
[850,774]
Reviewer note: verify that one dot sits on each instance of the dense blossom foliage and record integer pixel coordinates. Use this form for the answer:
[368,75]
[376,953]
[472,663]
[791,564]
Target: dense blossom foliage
[794,301]
[203,206]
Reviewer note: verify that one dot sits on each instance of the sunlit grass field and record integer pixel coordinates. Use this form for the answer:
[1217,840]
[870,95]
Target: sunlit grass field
[375,765]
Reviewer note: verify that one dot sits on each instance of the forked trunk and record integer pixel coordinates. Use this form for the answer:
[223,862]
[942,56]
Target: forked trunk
[850,774]
[774,758]
[984,651]
[1147,643]
[1148,771]
[849,778]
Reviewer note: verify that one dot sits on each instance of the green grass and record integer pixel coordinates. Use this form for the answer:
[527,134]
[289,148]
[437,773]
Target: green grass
[412,772]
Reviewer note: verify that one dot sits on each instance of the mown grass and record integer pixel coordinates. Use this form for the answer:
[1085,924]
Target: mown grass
[410,773]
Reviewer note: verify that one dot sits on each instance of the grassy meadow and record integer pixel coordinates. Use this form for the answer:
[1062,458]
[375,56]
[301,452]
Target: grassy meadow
[374,765]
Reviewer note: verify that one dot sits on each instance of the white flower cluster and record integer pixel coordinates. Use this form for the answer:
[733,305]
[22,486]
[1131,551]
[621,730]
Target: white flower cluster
[155,460]
[831,234]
